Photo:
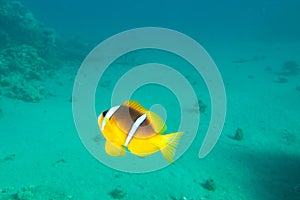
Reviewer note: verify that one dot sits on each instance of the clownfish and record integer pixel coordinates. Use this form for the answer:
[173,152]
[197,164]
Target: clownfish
[131,127]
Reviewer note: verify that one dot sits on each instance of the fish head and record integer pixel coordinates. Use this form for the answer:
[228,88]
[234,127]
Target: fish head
[102,120]
[109,129]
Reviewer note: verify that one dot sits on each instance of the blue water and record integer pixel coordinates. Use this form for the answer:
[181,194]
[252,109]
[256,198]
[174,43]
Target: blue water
[44,154]
[221,19]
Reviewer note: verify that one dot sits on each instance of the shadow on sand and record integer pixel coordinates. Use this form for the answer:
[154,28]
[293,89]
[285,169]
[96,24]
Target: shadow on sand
[276,174]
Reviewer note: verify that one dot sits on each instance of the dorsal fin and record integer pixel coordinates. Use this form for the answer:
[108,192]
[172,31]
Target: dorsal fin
[135,105]
[157,123]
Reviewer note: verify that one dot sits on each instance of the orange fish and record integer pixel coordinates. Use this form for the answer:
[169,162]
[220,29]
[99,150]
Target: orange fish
[132,127]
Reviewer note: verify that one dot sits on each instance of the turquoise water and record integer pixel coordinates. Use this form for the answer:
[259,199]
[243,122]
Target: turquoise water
[254,44]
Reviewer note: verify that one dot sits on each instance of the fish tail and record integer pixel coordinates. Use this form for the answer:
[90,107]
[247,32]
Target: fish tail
[170,142]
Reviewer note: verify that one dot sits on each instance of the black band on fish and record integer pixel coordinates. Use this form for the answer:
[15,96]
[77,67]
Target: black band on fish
[134,128]
[104,113]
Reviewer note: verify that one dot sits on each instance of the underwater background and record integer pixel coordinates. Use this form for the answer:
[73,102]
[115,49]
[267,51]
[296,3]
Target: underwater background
[256,46]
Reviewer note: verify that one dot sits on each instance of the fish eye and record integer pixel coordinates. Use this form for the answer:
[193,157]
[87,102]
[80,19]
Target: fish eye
[104,113]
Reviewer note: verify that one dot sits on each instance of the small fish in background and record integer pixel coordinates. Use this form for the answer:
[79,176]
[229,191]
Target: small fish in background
[132,127]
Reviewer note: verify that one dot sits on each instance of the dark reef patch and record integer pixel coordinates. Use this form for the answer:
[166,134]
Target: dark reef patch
[238,135]
[117,194]
[199,106]
[30,53]
[8,158]
[33,193]
[289,68]
[281,80]
[209,184]
[23,73]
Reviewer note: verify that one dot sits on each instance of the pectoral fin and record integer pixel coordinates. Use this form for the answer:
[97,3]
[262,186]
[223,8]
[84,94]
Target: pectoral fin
[114,150]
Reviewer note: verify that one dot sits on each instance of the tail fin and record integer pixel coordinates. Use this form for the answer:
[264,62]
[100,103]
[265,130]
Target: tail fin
[170,143]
